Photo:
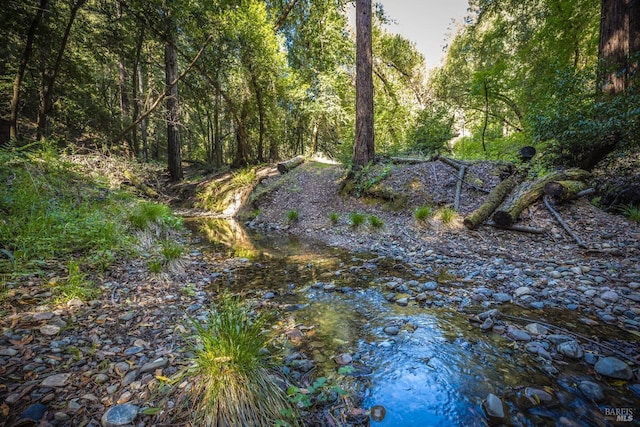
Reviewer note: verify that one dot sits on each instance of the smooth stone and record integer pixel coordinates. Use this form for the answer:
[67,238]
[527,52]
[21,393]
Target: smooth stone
[269,295]
[610,296]
[47,315]
[8,352]
[591,390]
[133,350]
[522,291]
[49,329]
[34,412]
[402,301]
[121,368]
[127,316]
[502,297]
[536,329]
[537,395]
[559,339]
[518,334]
[101,378]
[343,359]
[614,368]
[58,380]
[129,378]
[571,349]
[152,366]
[329,287]
[493,407]
[12,398]
[429,286]
[391,330]
[119,415]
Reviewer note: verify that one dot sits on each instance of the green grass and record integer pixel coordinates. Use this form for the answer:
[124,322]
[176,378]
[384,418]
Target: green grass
[447,214]
[375,222]
[631,212]
[292,216]
[171,250]
[145,214]
[334,217]
[75,286]
[423,213]
[356,219]
[155,266]
[232,384]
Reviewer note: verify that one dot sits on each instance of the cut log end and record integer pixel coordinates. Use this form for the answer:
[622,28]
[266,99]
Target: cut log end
[290,164]
[502,219]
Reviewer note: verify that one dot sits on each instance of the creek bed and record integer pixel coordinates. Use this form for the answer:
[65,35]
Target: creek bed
[415,365]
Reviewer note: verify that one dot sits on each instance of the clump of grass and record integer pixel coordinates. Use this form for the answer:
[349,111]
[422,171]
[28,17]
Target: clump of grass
[232,385]
[356,219]
[171,250]
[76,286]
[334,217]
[375,222]
[447,214]
[292,216]
[631,212]
[147,213]
[155,266]
[423,213]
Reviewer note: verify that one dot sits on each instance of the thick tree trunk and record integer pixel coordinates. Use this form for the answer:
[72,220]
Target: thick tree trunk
[24,60]
[493,200]
[174,146]
[564,190]
[529,192]
[363,149]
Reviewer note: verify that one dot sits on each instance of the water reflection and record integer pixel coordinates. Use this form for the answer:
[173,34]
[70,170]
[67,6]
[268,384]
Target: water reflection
[436,371]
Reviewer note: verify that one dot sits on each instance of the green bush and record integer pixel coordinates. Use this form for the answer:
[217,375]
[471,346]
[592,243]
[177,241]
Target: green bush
[447,214]
[292,216]
[356,219]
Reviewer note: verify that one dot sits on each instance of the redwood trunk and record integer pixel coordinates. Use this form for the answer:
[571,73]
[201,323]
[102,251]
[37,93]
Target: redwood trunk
[174,146]
[363,150]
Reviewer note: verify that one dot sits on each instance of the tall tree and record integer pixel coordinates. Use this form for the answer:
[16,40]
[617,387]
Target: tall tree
[174,143]
[363,149]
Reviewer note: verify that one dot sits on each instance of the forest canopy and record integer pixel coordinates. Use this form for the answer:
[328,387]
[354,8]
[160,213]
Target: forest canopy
[240,82]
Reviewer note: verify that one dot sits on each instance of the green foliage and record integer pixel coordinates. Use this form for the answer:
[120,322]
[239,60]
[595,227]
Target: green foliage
[232,385]
[356,219]
[75,286]
[155,266]
[375,222]
[334,217]
[631,212]
[292,216]
[367,177]
[432,130]
[49,210]
[148,214]
[423,213]
[171,250]
[447,214]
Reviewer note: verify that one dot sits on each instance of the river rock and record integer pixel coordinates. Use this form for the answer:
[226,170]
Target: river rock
[391,330]
[518,334]
[8,352]
[119,415]
[33,413]
[502,297]
[536,329]
[429,286]
[404,301]
[571,349]
[613,368]
[559,338]
[58,380]
[522,291]
[49,329]
[610,296]
[343,359]
[152,366]
[101,378]
[592,391]
[494,408]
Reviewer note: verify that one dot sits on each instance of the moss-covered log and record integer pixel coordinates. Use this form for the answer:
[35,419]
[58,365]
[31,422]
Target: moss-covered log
[290,164]
[530,192]
[493,200]
[564,190]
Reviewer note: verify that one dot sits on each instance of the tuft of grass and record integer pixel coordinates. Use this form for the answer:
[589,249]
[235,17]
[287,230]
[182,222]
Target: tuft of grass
[171,250]
[334,217]
[147,213]
[423,213]
[76,286]
[356,219]
[631,212]
[292,216]
[155,266]
[447,214]
[375,222]
[232,384]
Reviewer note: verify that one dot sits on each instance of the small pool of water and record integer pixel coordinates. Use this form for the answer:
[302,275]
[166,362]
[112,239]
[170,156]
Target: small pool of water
[436,371]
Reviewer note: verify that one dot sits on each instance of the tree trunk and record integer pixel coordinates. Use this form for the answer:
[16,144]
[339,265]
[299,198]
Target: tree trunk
[49,76]
[217,139]
[125,105]
[174,146]
[24,60]
[529,192]
[564,190]
[363,149]
[290,164]
[493,200]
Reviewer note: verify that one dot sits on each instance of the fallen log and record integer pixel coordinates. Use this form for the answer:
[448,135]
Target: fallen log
[564,190]
[290,164]
[493,200]
[520,228]
[529,192]
[461,172]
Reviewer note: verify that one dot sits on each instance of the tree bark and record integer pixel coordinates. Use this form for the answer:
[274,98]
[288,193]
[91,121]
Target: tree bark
[125,105]
[493,200]
[531,191]
[363,149]
[174,146]
[24,60]
[564,190]
[290,164]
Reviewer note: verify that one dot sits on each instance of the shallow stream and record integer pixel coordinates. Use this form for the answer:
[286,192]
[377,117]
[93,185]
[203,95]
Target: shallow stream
[436,371]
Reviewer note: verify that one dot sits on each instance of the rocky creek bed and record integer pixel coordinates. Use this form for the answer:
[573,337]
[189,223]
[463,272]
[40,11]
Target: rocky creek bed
[571,314]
